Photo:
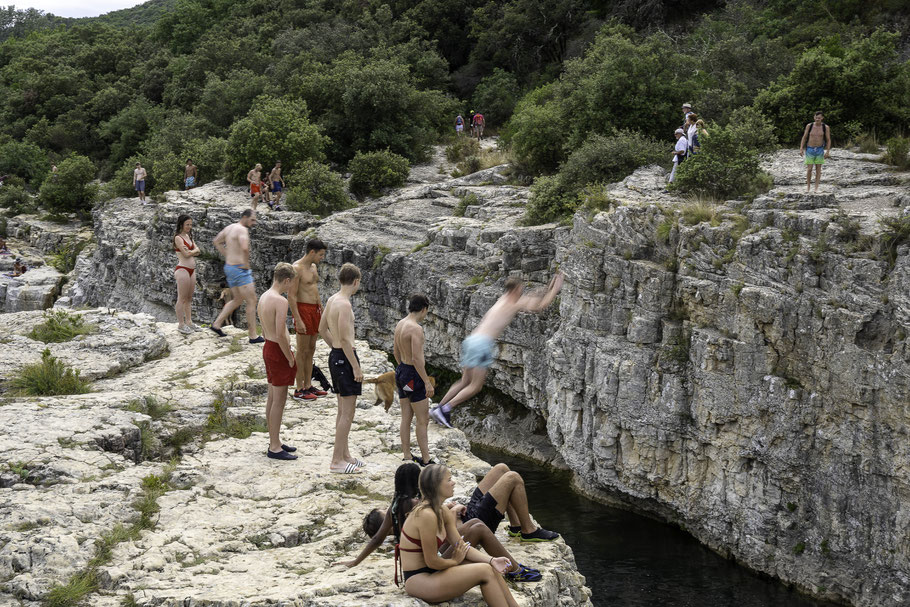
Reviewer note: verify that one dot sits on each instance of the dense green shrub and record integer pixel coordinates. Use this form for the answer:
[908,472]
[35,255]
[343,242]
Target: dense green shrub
[724,168]
[862,81]
[315,188]
[896,152]
[461,148]
[16,200]
[274,130]
[495,97]
[537,132]
[601,159]
[72,189]
[751,130]
[50,377]
[374,171]
[24,160]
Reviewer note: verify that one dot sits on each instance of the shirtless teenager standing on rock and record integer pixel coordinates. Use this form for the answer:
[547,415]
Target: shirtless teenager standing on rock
[414,387]
[254,177]
[819,148]
[280,368]
[337,329]
[277,184]
[477,348]
[190,175]
[234,243]
[306,307]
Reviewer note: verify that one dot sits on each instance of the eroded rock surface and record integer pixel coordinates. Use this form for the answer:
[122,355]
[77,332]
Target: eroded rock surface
[745,373]
[234,527]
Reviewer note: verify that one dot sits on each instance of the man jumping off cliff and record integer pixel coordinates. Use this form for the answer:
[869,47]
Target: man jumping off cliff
[477,348]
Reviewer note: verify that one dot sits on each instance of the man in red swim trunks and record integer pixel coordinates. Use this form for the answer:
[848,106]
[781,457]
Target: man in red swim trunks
[306,307]
[280,368]
[254,177]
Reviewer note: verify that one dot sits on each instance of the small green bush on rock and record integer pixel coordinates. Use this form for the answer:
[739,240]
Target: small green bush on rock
[16,200]
[316,189]
[72,189]
[50,377]
[60,326]
[374,171]
[726,167]
[896,152]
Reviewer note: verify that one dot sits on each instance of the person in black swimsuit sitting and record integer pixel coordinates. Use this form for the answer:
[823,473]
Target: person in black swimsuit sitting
[431,577]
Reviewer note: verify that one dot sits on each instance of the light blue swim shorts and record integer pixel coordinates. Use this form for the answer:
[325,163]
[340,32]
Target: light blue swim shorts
[477,352]
[237,276]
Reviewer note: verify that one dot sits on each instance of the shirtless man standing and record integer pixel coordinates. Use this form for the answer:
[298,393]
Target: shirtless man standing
[139,175]
[278,356]
[277,184]
[306,307]
[414,387]
[337,329]
[254,177]
[234,243]
[190,175]
[819,148]
[477,348]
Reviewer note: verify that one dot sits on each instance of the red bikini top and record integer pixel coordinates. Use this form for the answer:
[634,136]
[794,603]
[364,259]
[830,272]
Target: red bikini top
[439,543]
[189,245]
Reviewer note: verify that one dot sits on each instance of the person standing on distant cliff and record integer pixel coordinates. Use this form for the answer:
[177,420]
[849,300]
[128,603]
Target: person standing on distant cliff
[190,175]
[277,184]
[818,137]
[139,175]
[679,152]
[477,348]
[234,243]
[254,177]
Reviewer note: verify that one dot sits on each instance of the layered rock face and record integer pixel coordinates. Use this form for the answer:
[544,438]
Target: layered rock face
[173,432]
[740,369]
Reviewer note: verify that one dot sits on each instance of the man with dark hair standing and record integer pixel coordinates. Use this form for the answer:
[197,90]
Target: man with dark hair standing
[190,175]
[277,184]
[414,387]
[477,348]
[234,243]
[139,175]
[337,329]
[818,137]
[306,308]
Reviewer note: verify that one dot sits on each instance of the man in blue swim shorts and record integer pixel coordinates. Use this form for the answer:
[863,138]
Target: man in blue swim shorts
[190,175]
[234,243]
[277,185]
[477,348]
[818,137]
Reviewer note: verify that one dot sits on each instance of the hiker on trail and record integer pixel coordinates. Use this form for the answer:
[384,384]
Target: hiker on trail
[254,178]
[277,185]
[190,175]
[280,365]
[459,124]
[679,152]
[184,274]
[337,329]
[477,348]
[700,133]
[414,387]
[687,110]
[471,121]
[691,134]
[478,123]
[233,242]
[139,175]
[306,308]
[816,147]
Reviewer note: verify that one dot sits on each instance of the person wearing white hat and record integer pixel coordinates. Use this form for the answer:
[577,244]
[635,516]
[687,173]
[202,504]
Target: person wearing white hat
[679,152]
[687,111]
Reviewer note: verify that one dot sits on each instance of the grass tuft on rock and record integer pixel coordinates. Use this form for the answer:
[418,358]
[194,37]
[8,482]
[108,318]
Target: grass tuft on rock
[50,377]
[60,326]
[150,406]
[222,421]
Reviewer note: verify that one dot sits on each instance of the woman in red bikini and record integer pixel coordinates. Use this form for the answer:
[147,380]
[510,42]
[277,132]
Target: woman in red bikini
[431,577]
[184,274]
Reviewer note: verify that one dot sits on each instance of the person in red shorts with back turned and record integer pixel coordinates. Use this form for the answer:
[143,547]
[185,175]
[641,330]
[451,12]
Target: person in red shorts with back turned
[280,366]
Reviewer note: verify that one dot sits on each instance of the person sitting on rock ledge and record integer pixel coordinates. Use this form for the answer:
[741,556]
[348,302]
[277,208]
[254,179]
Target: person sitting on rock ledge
[379,523]
[19,268]
[477,348]
[434,578]
[280,364]
[502,491]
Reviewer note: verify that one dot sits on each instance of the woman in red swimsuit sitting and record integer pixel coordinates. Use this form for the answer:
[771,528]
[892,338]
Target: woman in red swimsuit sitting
[431,577]
[185,274]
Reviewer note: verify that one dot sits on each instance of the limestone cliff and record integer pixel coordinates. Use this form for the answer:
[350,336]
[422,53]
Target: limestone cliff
[743,369]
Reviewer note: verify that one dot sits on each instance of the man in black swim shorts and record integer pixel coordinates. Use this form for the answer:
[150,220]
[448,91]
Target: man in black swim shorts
[503,490]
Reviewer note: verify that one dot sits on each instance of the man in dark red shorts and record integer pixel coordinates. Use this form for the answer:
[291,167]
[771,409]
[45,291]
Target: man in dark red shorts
[280,367]
[306,307]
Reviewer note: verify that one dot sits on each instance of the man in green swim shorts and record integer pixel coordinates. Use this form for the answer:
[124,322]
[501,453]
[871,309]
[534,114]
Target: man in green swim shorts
[477,348]
[818,137]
